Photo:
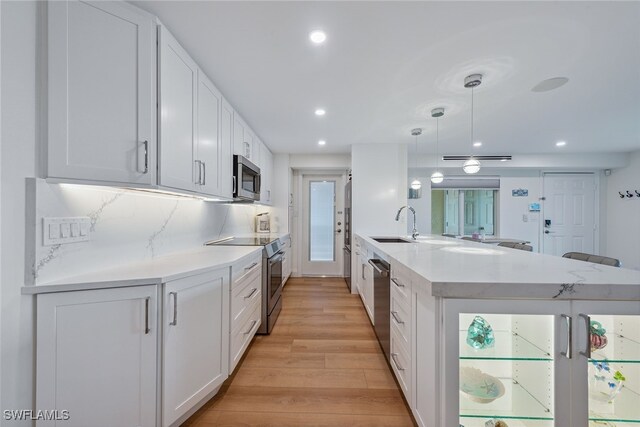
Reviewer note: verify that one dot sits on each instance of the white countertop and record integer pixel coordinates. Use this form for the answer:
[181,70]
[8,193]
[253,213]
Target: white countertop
[152,272]
[465,269]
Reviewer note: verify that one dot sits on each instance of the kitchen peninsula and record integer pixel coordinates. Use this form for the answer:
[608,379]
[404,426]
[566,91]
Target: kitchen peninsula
[539,310]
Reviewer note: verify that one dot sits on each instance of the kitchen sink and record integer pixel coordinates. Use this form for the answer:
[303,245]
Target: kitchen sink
[392,240]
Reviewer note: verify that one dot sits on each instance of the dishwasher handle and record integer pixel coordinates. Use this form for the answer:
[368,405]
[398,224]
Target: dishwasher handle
[379,267]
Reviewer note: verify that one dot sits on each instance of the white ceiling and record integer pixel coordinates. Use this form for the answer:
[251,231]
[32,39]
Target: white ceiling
[385,65]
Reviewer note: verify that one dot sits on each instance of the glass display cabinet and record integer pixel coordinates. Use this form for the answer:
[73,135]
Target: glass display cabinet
[541,363]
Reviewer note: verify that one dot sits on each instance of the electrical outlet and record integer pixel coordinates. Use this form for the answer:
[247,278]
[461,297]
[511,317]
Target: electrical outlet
[525,218]
[59,231]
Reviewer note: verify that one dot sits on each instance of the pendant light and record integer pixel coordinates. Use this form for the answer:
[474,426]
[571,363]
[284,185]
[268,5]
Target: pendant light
[472,165]
[437,177]
[416,184]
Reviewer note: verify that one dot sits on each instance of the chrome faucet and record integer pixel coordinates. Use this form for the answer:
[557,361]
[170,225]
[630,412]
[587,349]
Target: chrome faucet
[414,233]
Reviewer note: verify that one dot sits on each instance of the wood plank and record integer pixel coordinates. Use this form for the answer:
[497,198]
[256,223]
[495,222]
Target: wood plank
[300,377]
[298,420]
[270,359]
[355,360]
[306,400]
[334,332]
[380,379]
[335,346]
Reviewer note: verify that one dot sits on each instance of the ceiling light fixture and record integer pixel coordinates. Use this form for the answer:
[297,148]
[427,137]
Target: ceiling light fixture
[561,143]
[472,165]
[550,84]
[437,177]
[322,142]
[416,184]
[317,36]
[320,112]
[477,144]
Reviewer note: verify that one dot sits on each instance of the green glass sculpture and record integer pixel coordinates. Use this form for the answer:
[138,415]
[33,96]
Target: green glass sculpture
[480,334]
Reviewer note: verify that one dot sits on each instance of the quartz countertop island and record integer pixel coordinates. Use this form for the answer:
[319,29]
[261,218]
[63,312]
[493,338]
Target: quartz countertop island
[465,269]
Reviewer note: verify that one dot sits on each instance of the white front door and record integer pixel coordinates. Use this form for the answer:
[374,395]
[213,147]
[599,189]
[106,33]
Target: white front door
[323,225]
[569,213]
[452,212]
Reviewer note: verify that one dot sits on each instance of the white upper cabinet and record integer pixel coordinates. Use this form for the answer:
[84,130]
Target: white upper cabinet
[209,150]
[101,92]
[226,150]
[266,173]
[178,90]
[242,138]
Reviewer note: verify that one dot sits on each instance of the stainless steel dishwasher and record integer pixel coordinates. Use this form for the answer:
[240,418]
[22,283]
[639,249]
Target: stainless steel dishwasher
[381,303]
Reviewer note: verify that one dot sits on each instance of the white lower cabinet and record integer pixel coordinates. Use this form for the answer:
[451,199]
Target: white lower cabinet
[246,306]
[195,342]
[96,356]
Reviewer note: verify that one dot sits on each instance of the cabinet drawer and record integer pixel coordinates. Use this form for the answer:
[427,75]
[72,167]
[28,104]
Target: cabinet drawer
[401,282]
[243,297]
[400,361]
[240,271]
[401,316]
[241,336]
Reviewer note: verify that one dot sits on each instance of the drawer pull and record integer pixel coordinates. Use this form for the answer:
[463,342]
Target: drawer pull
[397,283]
[253,291]
[394,357]
[396,318]
[251,266]
[175,308]
[250,327]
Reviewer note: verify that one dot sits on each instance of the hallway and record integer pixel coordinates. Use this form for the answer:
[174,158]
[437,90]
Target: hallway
[321,366]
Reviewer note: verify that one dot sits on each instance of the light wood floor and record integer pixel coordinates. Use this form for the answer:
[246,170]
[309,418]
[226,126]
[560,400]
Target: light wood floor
[321,366]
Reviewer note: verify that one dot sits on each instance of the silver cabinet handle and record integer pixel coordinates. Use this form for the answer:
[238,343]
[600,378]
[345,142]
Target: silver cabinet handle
[175,308]
[233,185]
[569,323]
[253,291]
[397,283]
[363,271]
[251,327]
[251,266]
[396,318]
[147,329]
[199,165]
[204,173]
[145,165]
[394,357]
[587,352]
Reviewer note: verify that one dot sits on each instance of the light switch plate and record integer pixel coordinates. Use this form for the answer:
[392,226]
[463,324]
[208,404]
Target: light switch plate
[62,230]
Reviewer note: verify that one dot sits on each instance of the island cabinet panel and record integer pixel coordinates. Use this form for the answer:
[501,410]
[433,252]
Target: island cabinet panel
[101,92]
[96,356]
[196,327]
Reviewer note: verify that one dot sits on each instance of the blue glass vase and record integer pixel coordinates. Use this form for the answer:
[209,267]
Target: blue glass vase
[480,334]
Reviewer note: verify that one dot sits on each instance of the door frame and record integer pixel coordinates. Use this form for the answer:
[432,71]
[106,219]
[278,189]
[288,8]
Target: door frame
[596,205]
[298,223]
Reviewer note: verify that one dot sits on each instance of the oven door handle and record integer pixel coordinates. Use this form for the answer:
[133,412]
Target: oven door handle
[276,258]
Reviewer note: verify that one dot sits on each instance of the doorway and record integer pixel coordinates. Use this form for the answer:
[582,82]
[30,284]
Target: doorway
[569,212]
[322,225]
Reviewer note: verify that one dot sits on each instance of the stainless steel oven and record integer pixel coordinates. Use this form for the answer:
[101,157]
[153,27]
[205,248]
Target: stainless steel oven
[246,179]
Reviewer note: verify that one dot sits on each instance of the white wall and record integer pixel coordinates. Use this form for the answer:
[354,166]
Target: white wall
[623,215]
[514,219]
[320,161]
[379,188]
[18,87]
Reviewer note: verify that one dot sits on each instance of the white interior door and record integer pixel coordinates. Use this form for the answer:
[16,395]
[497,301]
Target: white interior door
[451,212]
[322,225]
[569,213]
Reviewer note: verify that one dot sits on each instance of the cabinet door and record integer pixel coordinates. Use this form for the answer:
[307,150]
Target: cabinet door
[96,356]
[208,152]
[266,174]
[101,92]
[226,150]
[606,368]
[196,330]
[178,91]
[503,360]
[242,139]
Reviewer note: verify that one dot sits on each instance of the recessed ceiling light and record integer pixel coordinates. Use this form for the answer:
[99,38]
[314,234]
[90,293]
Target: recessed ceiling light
[477,144]
[561,143]
[322,142]
[317,36]
[320,112]
[503,160]
[550,84]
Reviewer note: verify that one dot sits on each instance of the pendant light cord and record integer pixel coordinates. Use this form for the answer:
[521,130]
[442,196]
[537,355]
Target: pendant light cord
[472,119]
[437,140]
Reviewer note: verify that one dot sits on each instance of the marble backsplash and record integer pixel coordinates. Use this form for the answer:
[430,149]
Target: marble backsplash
[126,226]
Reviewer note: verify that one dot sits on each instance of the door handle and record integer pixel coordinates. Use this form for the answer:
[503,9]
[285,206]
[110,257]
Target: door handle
[339,230]
[394,357]
[147,329]
[145,164]
[396,318]
[199,164]
[587,352]
[250,327]
[204,173]
[548,232]
[397,283]
[253,291]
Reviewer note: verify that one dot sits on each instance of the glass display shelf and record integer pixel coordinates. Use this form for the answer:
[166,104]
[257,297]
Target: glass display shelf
[508,346]
[480,422]
[517,403]
[619,349]
[625,408]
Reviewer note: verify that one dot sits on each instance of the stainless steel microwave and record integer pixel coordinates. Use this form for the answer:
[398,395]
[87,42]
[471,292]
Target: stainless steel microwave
[246,180]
